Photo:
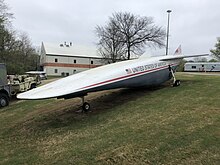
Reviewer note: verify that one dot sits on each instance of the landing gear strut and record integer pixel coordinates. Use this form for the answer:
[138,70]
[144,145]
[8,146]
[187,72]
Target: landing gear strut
[175,81]
[85,106]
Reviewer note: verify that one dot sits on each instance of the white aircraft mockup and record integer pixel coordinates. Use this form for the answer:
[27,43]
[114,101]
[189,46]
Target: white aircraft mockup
[142,72]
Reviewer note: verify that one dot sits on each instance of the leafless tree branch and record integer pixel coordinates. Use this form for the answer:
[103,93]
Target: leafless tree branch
[127,34]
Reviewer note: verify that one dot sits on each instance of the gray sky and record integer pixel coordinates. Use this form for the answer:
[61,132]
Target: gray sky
[194,24]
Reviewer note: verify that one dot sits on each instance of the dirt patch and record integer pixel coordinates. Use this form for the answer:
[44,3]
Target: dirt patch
[62,113]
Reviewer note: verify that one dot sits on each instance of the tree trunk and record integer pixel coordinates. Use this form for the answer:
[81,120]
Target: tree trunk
[129,53]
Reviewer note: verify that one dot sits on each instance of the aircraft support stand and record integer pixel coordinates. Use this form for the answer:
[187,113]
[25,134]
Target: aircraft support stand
[85,106]
[175,81]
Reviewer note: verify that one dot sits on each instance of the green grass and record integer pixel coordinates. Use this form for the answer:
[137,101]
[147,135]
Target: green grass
[164,125]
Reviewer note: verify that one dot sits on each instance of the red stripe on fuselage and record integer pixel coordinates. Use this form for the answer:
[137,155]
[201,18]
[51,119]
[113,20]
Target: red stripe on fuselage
[122,77]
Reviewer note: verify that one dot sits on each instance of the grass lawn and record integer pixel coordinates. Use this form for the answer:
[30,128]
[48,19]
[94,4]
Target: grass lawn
[164,125]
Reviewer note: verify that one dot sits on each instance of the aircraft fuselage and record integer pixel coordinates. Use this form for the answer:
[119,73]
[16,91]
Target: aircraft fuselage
[140,73]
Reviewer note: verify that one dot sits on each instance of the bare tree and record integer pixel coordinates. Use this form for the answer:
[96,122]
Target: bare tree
[138,32]
[110,46]
[5,16]
[132,34]
[16,50]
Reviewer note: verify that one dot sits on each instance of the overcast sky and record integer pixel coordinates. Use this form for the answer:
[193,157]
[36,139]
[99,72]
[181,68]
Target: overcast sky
[194,24]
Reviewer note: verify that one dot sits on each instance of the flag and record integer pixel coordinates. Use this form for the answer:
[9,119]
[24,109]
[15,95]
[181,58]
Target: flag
[178,51]
[128,71]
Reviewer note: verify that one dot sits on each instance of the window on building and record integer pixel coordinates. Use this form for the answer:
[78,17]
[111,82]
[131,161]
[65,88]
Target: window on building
[74,61]
[193,67]
[74,71]
[91,62]
[55,70]
[56,60]
[202,65]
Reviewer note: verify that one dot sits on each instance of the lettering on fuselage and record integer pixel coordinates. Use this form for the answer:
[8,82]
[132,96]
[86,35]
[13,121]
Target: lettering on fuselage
[143,68]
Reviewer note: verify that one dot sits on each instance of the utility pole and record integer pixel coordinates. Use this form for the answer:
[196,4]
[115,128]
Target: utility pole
[168,26]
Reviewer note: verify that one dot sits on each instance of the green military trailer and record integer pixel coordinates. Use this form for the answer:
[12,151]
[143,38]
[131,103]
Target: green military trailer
[4,87]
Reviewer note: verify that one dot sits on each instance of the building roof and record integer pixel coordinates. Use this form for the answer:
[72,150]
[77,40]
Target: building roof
[197,63]
[69,49]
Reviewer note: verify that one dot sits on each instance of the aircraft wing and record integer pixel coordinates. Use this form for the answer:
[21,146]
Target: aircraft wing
[57,88]
[176,57]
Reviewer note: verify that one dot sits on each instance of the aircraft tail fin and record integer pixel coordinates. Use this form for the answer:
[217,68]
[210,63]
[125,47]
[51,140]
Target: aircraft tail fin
[178,51]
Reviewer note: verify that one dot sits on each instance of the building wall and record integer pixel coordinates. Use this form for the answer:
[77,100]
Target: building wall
[71,60]
[67,65]
[57,60]
[202,67]
[42,55]
[65,71]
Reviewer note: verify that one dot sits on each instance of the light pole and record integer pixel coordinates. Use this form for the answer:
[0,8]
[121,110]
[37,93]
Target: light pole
[168,26]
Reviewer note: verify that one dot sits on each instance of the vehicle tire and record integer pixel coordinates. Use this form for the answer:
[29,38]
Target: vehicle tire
[86,107]
[177,83]
[33,86]
[4,100]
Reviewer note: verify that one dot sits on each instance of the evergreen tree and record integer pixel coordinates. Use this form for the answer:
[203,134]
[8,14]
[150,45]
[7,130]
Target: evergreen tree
[216,51]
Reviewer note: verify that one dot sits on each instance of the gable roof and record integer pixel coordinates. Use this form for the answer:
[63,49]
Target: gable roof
[68,50]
